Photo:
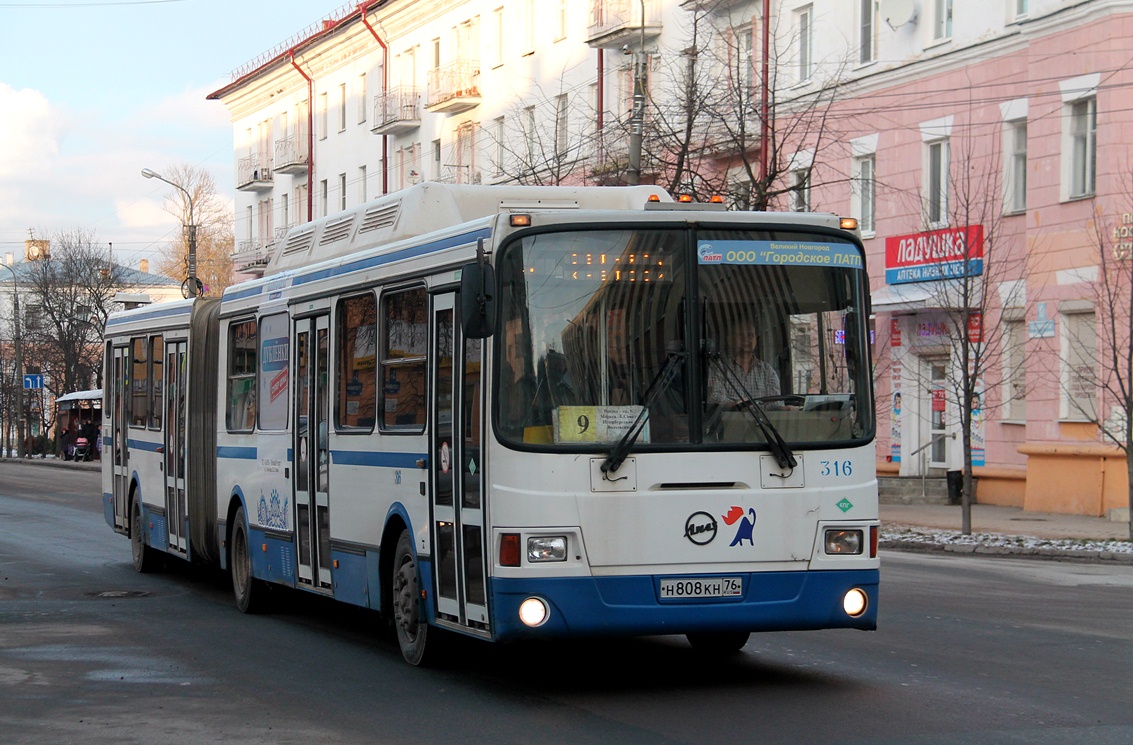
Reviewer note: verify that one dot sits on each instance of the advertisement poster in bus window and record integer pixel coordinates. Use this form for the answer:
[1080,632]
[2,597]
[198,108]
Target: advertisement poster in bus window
[275,352]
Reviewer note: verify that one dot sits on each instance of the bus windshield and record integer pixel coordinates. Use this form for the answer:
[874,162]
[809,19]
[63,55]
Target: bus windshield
[709,337]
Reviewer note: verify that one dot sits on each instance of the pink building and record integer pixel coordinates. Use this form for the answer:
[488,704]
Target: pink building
[994,180]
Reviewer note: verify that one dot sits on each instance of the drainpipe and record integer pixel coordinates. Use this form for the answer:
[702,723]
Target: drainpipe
[385,91]
[764,109]
[310,137]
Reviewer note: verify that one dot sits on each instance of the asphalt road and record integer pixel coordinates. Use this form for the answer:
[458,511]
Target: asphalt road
[969,650]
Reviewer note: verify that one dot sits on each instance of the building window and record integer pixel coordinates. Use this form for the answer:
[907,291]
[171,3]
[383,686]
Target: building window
[437,159]
[240,411]
[357,340]
[498,136]
[745,47]
[562,141]
[942,19]
[1083,147]
[501,40]
[803,18]
[1017,166]
[800,190]
[342,107]
[865,31]
[341,192]
[1014,371]
[324,205]
[561,20]
[1021,8]
[528,27]
[362,98]
[936,183]
[363,192]
[405,334]
[285,211]
[323,121]
[864,192]
[1077,375]
[529,134]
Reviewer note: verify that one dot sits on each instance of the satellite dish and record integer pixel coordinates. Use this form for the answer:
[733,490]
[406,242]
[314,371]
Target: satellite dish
[896,13]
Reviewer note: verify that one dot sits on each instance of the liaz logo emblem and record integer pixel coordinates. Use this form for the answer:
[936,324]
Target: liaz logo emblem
[700,528]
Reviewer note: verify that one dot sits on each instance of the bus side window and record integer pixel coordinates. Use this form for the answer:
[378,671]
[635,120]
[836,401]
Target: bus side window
[405,335]
[242,357]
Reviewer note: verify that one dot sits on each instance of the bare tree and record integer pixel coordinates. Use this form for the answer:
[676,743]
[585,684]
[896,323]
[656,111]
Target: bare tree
[1099,355]
[67,295]
[215,239]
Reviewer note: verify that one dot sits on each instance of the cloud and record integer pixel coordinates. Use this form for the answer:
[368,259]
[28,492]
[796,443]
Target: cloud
[30,131]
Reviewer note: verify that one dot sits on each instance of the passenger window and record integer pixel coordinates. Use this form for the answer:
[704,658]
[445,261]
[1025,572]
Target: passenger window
[241,398]
[139,382]
[156,384]
[357,338]
[405,334]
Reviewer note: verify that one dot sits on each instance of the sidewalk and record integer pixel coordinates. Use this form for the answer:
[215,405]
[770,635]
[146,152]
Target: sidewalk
[1005,531]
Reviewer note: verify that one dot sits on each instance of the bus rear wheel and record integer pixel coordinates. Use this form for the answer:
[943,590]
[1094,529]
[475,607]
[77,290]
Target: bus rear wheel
[248,590]
[145,558]
[718,642]
[408,616]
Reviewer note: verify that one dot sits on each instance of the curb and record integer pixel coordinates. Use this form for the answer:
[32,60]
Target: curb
[1110,558]
[55,463]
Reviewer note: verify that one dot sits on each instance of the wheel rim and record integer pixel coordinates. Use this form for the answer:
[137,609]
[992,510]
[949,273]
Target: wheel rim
[405,598]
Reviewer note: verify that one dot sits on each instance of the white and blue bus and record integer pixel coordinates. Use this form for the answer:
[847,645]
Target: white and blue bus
[518,413]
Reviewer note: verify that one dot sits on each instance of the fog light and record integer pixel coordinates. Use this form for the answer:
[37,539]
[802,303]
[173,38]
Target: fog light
[547,548]
[533,612]
[855,602]
[843,541]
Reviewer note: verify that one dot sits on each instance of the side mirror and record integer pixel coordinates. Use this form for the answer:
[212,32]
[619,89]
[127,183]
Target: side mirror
[478,297]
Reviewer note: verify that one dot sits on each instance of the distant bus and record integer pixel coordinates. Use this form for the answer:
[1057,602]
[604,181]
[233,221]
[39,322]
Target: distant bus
[517,413]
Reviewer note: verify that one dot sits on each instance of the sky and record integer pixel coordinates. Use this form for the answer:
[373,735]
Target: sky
[93,91]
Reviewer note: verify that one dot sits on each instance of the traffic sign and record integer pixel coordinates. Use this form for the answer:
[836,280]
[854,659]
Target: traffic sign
[33,381]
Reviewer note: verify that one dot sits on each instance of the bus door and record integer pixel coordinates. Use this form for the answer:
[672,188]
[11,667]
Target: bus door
[459,532]
[312,458]
[119,427]
[176,416]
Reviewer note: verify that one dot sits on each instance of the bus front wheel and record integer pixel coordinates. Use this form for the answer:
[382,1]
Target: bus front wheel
[408,616]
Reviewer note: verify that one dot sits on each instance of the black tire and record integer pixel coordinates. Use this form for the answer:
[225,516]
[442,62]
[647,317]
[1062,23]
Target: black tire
[718,642]
[145,558]
[408,616]
[248,591]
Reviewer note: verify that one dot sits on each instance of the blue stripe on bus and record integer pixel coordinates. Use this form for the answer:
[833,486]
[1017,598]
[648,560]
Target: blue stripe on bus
[389,258]
[239,453]
[157,312]
[374,458]
[368,263]
[773,601]
[149,447]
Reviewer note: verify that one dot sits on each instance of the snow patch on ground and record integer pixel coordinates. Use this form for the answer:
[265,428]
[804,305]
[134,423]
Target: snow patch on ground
[891,533]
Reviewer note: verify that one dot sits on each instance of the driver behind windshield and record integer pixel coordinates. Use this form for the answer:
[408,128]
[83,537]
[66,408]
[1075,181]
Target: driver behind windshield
[740,363]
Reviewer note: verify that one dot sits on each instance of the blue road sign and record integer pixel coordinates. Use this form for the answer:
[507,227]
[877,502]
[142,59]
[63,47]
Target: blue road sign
[33,381]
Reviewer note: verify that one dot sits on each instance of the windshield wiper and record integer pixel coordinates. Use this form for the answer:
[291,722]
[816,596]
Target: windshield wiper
[661,381]
[779,447]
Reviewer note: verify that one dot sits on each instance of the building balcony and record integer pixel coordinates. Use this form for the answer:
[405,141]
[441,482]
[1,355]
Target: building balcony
[454,88]
[719,6]
[251,257]
[397,111]
[615,23]
[252,174]
[291,154]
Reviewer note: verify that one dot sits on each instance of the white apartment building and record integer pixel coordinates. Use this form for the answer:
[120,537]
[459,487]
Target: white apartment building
[930,120]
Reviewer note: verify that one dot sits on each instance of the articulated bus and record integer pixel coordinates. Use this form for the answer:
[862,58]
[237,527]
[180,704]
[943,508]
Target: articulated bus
[517,413]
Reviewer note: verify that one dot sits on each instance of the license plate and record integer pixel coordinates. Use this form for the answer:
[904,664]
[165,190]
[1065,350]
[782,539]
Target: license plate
[711,587]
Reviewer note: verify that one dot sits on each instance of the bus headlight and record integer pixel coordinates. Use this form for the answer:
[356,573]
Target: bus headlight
[843,542]
[534,612]
[547,548]
[854,602]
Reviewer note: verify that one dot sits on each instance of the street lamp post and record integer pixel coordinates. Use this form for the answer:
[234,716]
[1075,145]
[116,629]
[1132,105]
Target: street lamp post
[17,339]
[191,282]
